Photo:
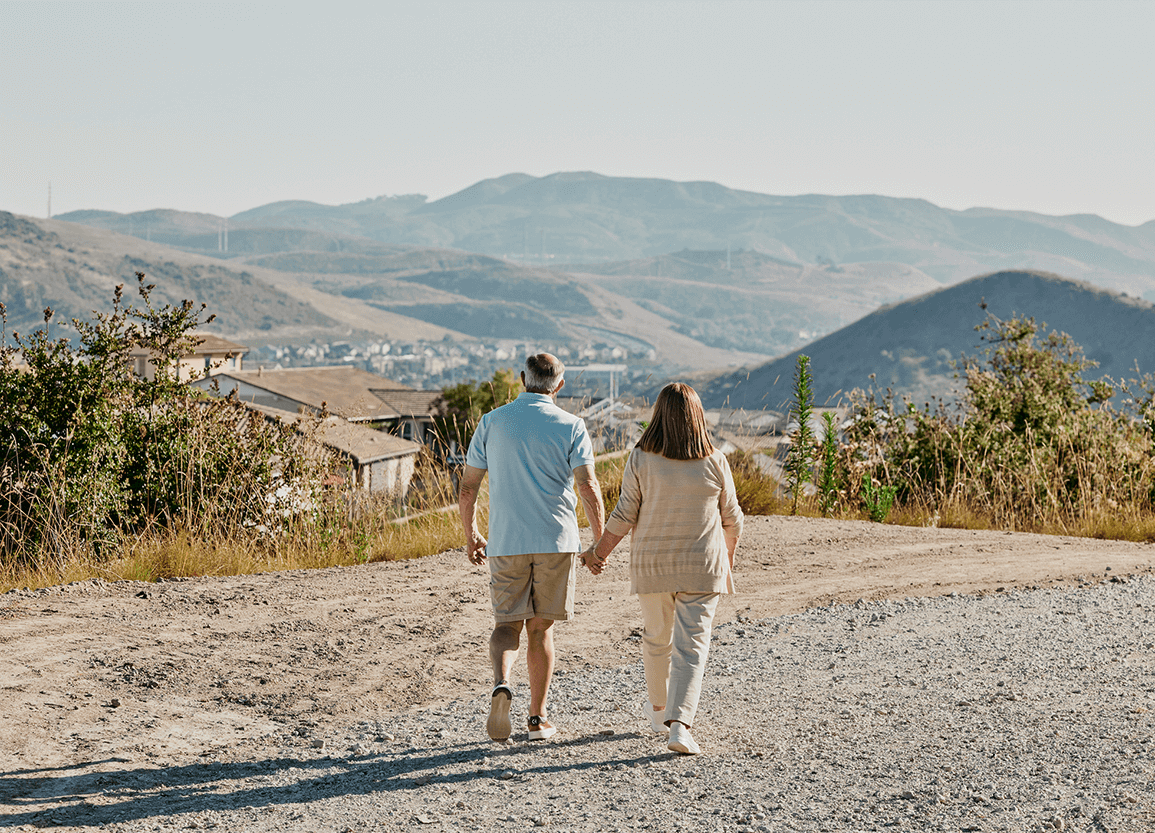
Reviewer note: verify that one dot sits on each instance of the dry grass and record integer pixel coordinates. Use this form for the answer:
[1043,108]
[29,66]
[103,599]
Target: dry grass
[181,553]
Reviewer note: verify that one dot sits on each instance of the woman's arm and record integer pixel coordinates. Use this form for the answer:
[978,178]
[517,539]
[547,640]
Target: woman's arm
[731,511]
[623,519]
[594,559]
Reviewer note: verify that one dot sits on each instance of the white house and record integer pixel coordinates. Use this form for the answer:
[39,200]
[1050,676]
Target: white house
[211,356]
[374,461]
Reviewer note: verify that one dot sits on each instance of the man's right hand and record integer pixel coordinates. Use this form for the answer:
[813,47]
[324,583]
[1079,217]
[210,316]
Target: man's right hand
[475,550]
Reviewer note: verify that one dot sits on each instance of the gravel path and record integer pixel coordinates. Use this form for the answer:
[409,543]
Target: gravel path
[1017,711]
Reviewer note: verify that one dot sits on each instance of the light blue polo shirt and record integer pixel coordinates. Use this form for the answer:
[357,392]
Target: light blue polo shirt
[530,448]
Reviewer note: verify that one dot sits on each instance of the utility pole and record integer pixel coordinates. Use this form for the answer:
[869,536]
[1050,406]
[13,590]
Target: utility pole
[727,255]
[226,234]
[49,200]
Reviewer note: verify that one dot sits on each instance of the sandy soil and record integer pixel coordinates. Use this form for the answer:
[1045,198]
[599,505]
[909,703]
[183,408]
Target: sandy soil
[193,668]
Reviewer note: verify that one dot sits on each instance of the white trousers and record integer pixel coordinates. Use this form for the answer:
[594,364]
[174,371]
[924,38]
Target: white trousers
[675,644]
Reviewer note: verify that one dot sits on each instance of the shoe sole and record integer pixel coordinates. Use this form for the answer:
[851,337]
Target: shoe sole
[682,749]
[498,726]
[542,734]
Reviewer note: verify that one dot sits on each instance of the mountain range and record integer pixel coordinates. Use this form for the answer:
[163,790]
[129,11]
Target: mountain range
[582,217]
[706,277]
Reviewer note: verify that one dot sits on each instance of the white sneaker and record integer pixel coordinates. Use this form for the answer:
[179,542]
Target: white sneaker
[657,718]
[540,728]
[681,740]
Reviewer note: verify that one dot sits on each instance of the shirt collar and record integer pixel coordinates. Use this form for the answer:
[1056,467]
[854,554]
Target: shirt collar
[535,397]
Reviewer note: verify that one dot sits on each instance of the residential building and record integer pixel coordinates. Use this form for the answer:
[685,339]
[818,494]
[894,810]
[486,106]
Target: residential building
[349,392]
[373,461]
[212,355]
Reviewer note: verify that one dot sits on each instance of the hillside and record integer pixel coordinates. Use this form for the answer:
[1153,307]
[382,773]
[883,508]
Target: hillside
[582,217]
[746,300]
[73,269]
[364,289]
[909,346]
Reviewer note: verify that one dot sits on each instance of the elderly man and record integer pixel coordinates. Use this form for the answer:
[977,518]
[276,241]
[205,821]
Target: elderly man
[534,452]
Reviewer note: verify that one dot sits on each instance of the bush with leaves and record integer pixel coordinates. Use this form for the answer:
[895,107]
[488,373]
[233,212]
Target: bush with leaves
[89,452]
[1031,443]
[829,481]
[467,402]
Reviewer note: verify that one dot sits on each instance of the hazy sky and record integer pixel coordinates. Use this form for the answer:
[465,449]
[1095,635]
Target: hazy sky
[1043,106]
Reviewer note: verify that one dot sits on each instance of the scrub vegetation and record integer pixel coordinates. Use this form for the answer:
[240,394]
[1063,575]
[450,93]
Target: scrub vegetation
[105,474]
[1033,445]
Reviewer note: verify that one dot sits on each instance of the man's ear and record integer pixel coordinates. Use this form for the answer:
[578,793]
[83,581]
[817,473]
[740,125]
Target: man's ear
[523,378]
[560,385]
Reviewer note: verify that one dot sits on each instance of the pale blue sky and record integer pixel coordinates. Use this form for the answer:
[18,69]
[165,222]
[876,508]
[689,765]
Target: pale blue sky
[220,107]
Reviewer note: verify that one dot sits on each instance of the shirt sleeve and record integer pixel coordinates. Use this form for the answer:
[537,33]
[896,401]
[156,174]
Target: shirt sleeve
[732,518]
[476,455]
[582,449]
[625,514]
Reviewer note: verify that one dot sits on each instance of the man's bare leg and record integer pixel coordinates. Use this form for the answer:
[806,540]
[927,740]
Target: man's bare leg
[539,662]
[503,644]
[503,647]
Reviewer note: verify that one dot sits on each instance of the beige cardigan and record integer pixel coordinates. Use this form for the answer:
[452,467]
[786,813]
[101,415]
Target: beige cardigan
[678,510]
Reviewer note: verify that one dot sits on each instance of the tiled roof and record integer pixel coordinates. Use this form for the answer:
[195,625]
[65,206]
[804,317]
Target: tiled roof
[410,403]
[205,344]
[215,344]
[359,442]
[347,391]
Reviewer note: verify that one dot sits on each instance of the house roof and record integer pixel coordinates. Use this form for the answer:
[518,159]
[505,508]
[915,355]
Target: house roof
[410,403]
[360,443]
[347,391]
[205,344]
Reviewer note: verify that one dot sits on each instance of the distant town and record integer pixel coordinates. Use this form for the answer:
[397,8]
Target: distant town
[440,364]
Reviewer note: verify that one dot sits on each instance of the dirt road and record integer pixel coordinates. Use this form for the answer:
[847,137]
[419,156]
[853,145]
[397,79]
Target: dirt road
[188,669]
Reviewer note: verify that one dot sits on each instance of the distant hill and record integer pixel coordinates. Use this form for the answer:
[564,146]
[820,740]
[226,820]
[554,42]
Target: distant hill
[909,345]
[73,270]
[582,217]
[366,289]
[745,300]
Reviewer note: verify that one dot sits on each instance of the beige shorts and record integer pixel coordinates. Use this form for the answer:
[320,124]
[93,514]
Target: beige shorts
[537,585]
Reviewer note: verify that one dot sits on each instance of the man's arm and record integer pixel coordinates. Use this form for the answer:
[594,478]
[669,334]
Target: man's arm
[590,492]
[467,505]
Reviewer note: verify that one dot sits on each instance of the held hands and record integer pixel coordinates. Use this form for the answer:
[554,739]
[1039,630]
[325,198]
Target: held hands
[475,550]
[591,562]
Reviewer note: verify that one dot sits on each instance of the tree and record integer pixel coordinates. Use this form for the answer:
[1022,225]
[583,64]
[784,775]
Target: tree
[467,402]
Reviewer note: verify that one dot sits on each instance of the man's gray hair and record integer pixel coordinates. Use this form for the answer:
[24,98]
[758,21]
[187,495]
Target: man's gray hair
[543,372]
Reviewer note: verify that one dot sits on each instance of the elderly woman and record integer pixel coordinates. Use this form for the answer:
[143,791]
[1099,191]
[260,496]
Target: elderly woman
[678,498]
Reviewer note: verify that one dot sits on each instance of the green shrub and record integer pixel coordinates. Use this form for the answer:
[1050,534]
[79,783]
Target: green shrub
[800,461]
[1031,445]
[829,482]
[877,499]
[758,492]
[90,453]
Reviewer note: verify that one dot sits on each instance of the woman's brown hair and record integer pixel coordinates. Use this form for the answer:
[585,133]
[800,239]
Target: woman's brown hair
[678,428]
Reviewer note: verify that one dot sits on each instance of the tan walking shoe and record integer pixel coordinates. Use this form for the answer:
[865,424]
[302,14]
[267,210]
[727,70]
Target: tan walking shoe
[657,718]
[498,726]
